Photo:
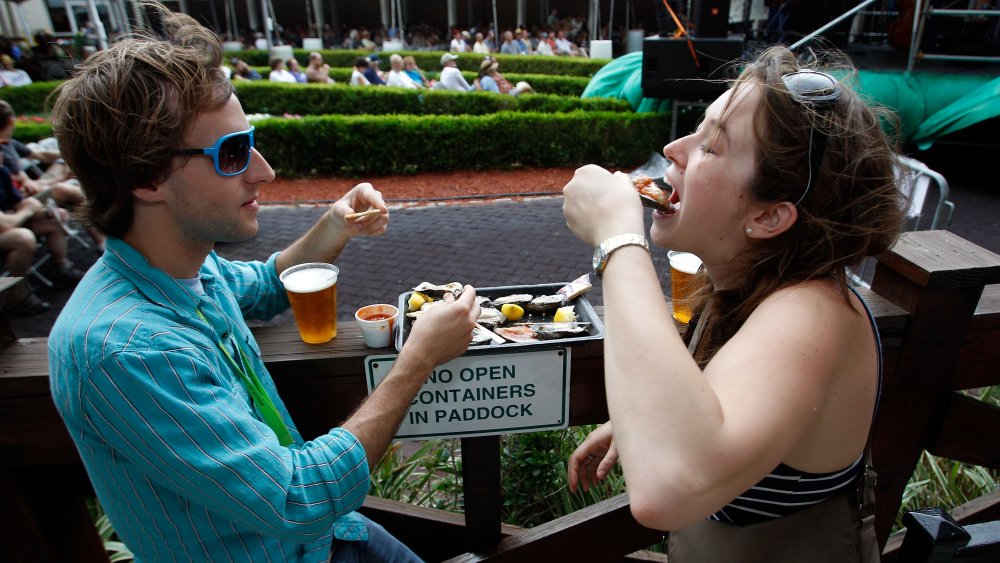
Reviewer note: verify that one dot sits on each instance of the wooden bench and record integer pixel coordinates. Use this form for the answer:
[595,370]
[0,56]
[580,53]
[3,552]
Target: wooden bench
[939,320]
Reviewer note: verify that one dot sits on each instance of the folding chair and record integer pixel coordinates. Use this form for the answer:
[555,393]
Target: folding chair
[65,223]
[915,182]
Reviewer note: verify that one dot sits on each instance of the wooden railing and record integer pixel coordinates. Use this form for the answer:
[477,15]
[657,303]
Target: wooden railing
[939,320]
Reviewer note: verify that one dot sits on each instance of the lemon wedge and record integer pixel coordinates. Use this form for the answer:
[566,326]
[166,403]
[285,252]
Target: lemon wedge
[416,301]
[565,315]
[511,311]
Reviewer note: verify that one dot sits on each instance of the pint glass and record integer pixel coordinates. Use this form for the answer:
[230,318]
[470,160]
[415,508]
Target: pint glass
[683,267]
[312,290]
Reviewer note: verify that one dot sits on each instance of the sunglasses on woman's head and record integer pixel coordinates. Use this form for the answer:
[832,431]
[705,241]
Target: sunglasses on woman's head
[818,91]
[230,153]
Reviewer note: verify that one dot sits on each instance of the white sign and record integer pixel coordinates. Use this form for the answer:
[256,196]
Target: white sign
[497,393]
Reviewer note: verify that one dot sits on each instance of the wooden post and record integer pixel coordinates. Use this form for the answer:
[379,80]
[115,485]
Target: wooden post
[483,491]
[938,278]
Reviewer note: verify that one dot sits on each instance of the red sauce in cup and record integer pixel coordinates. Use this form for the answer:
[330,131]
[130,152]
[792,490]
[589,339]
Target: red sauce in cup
[376,317]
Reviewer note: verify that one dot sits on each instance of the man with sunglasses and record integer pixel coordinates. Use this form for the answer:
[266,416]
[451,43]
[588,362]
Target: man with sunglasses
[190,449]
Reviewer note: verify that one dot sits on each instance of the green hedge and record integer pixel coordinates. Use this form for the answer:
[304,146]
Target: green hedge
[354,145]
[29,99]
[540,83]
[431,61]
[29,132]
[261,96]
[555,93]
[376,145]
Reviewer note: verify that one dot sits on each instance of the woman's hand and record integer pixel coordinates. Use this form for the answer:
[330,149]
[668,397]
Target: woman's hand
[361,198]
[593,459]
[598,204]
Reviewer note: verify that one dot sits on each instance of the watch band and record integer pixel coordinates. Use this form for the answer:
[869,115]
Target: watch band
[603,251]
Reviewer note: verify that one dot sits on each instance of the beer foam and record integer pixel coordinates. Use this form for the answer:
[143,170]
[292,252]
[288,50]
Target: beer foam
[308,280]
[685,262]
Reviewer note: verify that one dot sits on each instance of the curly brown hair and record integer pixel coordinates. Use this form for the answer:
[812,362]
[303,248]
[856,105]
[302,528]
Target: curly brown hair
[854,208]
[125,111]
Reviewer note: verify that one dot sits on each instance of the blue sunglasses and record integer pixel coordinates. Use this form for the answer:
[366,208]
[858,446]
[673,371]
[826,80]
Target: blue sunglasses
[230,153]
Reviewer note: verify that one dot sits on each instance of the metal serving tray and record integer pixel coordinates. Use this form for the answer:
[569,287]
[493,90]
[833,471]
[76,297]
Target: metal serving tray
[584,313]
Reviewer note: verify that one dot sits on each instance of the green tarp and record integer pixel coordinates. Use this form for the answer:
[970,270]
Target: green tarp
[929,105]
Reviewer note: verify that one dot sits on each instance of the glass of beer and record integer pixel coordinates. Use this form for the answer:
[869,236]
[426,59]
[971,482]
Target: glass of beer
[312,290]
[683,267]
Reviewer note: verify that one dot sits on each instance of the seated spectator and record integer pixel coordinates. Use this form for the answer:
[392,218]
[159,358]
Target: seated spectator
[279,73]
[522,42]
[318,72]
[10,76]
[508,48]
[19,214]
[490,80]
[480,46]
[296,70]
[358,72]
[372,73]
[582,42]
[544,46]
[242,71]
[451,78]
[458,44]
[259,42]
[418,76]
[366,41]
[397,76]
[564,46]
[52,185]
[18,244]
[490,41]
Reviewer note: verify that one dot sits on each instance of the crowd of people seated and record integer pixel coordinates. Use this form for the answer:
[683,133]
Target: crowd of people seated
[33,209]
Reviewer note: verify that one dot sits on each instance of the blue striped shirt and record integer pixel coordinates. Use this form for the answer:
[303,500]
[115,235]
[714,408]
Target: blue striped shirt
[180,460]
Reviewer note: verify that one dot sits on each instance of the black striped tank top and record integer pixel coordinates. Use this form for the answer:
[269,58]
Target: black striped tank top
[787,490]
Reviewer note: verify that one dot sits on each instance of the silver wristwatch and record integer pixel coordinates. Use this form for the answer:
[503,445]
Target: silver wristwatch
[604,250]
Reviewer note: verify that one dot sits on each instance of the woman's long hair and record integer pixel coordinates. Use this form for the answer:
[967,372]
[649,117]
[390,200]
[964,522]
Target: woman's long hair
[853,209]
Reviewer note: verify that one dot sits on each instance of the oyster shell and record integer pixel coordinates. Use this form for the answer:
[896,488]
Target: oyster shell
[491,318]
[553,331]
[438,291]
[545,303]
[517,299]
[517,333]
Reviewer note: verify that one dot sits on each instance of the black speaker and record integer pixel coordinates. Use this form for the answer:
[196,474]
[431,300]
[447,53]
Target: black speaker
[710,18]
[669,70]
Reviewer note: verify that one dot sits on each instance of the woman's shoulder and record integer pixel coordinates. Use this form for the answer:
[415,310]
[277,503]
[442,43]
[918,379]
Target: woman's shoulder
[811,307]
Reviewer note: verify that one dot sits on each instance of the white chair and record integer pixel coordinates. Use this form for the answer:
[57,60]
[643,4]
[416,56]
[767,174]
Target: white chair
[916,182]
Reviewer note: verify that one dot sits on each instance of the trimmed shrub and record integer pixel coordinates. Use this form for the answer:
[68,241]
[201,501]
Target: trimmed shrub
[355,145]
[393,144]
[30,132]
[316,99]
[541,83]
[29,99]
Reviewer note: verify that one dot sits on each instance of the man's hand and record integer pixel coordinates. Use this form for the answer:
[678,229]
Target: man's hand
[442,333]
[445,331]
[360,199]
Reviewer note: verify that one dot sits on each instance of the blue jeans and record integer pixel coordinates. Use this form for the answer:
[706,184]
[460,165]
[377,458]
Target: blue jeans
[380,546]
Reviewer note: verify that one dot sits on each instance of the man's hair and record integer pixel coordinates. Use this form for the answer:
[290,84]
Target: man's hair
[124,113]
[6,112]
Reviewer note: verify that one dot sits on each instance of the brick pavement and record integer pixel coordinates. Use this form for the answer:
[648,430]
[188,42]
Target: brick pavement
[492,243]
[487,244]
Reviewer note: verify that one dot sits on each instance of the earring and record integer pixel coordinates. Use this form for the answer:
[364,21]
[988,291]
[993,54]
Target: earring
[748,230]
